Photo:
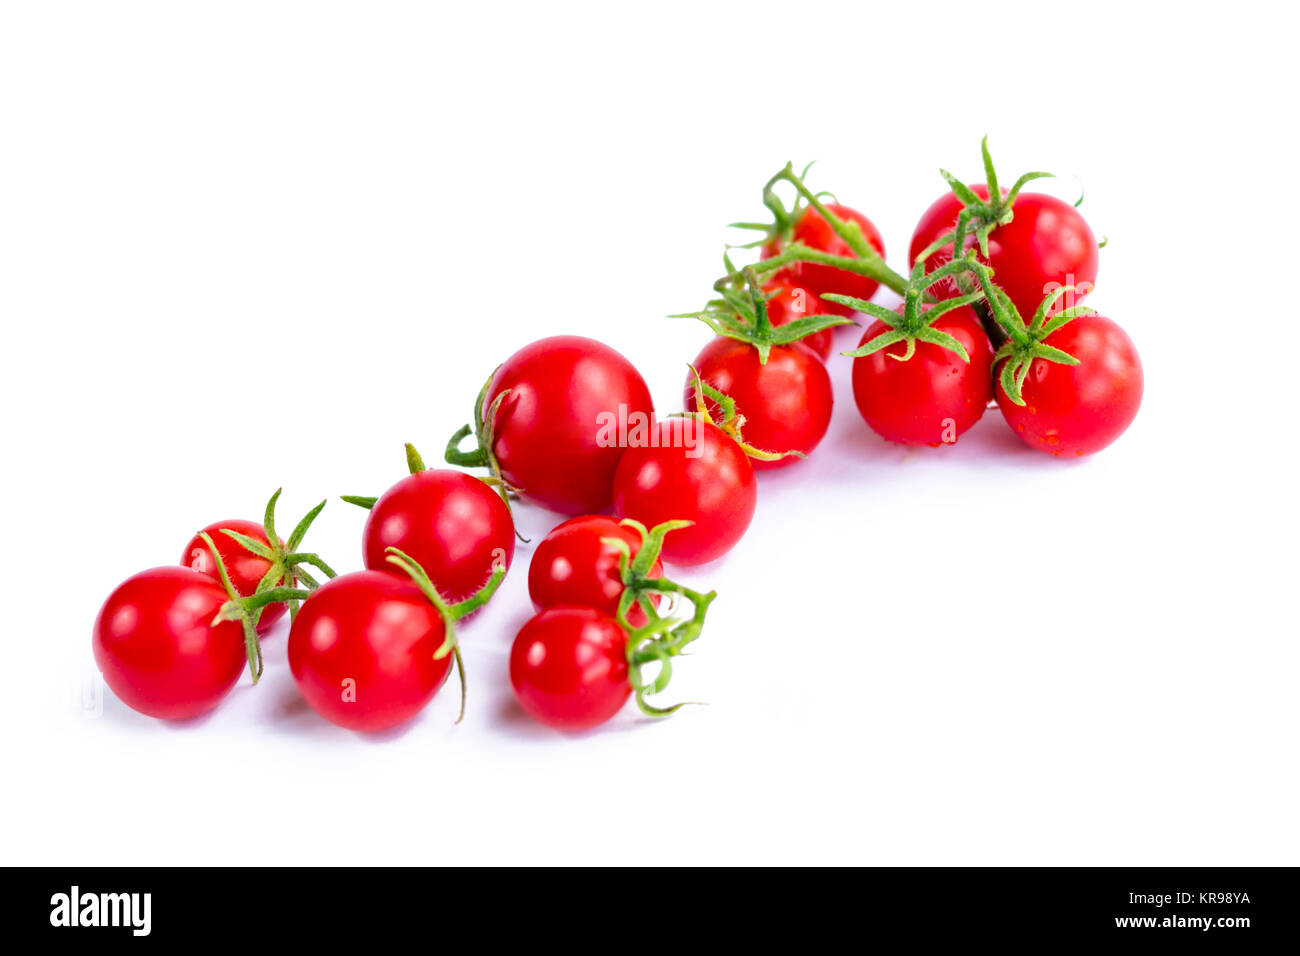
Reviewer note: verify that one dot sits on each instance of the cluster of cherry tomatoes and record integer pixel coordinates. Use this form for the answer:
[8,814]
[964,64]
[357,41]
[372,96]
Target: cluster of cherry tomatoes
[990,315]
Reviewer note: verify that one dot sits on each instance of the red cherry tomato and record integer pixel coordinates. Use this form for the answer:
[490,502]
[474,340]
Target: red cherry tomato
[572,565]
[790,302]
[814,231]
[244,568]
[934,396]
[569,667]
[1079,409]
[454,525]
[362,650]
[158,649]
[692,471]
[556,434]
[1046,245]
[786,403]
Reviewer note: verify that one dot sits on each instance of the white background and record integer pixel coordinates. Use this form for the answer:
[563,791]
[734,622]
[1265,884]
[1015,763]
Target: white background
[245,245]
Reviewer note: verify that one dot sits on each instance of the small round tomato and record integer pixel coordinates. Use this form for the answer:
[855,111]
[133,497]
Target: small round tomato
[1078,409]
[1046,245]
[573,565]
[790,302]
[786,402]
[158,649]
[932,397]
[454,525]
[244,568]
[688,470]
[362,650]
[569,667]
[556,435]
[814,231]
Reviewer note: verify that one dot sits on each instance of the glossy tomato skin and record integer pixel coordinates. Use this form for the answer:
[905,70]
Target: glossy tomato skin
[556,432]
[245,569]
[1047,244]
[157,648]
[362,651]
[934,396]
[568,667]
[786,403]
[1079,409]
[814,231]
[790,302]
[689,470]
[573,566]
[456,527]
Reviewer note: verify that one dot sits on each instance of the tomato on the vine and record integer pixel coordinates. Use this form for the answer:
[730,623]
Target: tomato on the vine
[789,302]
[157,646]
[933,396]
[245,568]
[814,231]
[573,565]
[454,525]
[1046,245]
[555,435]
[688,470]
[1078,409]
[569,667]
[363,650]
[785,403]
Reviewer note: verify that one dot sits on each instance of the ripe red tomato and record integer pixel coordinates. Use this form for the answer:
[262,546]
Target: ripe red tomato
[786,403]
[790,302]
[934,396]
[244,568]
[1079,409]
[454,525]
[814,231]
[689,470]
[158,649]
[1046,245]
[572,565]
[362,650]
[556,434]
[569,667]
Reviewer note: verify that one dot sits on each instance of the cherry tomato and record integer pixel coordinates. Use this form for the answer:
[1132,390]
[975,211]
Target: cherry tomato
[572,565]
[814,231]
[454,525]
[556,435]
[362,650]
[790,302]
[158,649]
[689,470]
[932,397]
[1079,409]
[786,403]
[244,568]
[1046,245]
[569,667]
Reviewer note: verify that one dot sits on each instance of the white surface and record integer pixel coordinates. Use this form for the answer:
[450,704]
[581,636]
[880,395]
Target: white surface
[253,244]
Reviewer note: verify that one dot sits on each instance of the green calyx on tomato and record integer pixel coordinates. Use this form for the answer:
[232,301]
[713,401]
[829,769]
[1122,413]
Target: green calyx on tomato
[483,455]
[246,610]
[865,260]
[981,216]
[741,314]
[731,423]
[661,638]
[450,613]
[1025,342]
[287,562]
[916,323]
[415,465]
